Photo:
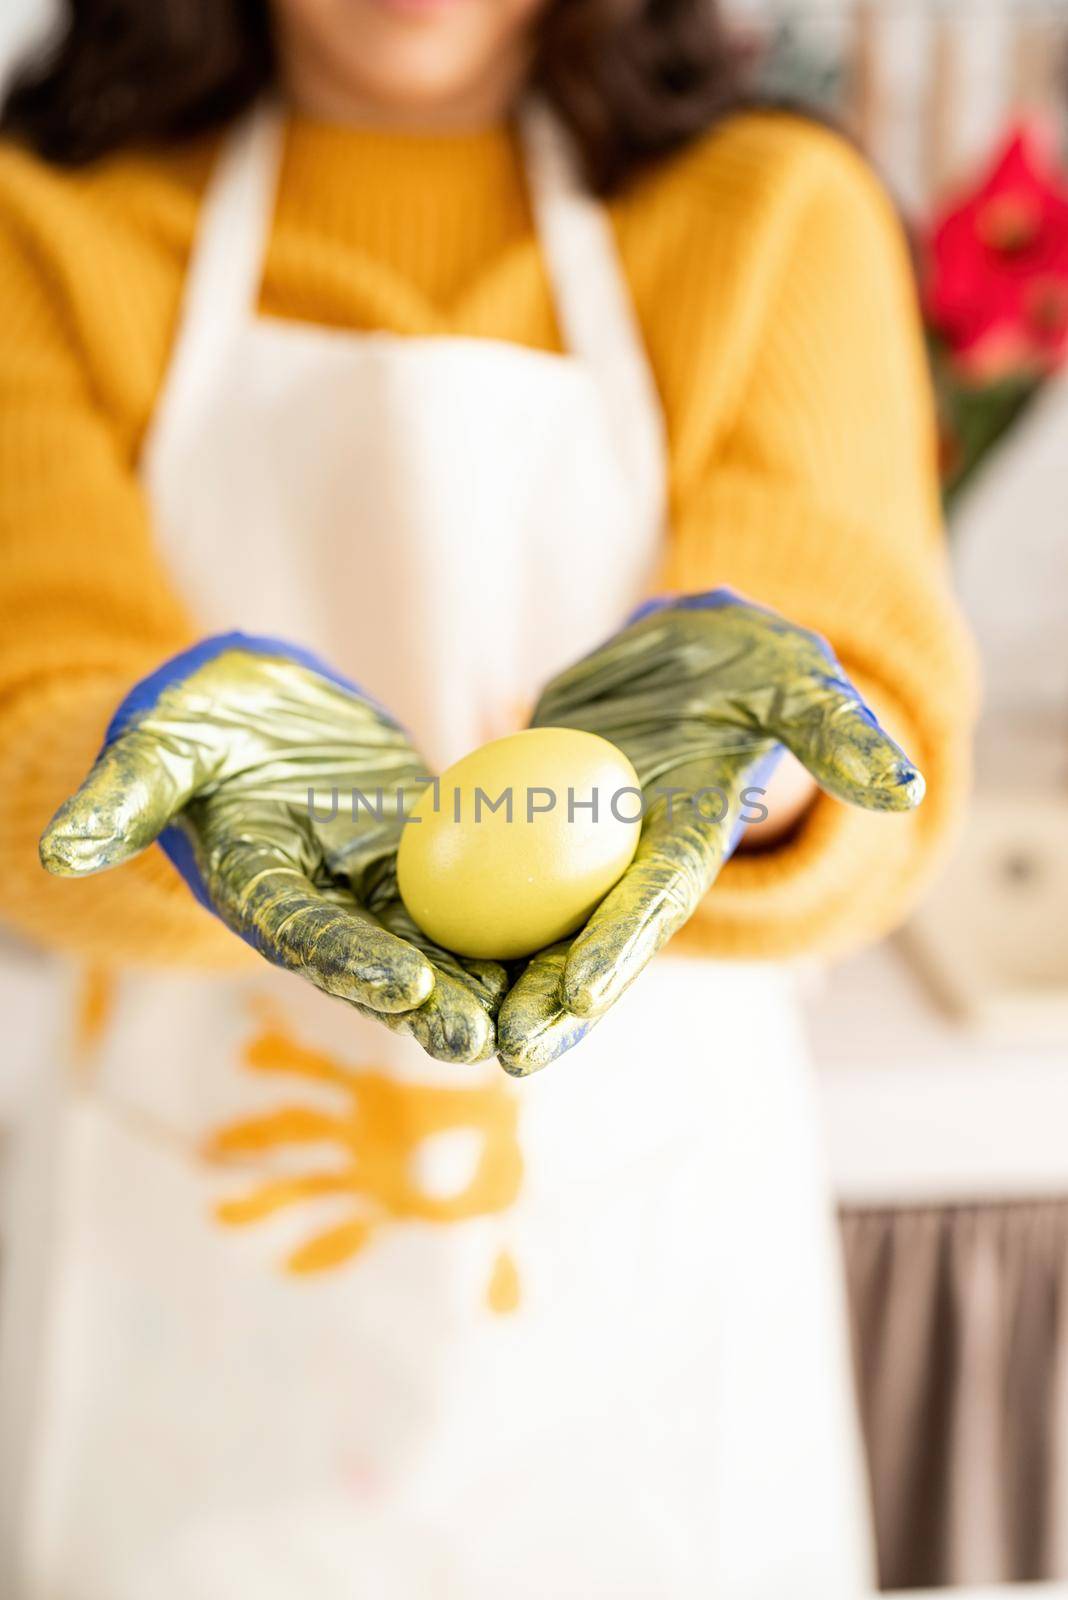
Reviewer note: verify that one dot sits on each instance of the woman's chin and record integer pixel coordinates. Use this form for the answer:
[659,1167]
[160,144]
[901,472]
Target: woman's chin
[446,61]
[427,11]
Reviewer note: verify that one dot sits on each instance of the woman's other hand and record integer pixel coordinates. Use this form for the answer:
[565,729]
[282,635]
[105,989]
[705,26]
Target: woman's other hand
[703,694]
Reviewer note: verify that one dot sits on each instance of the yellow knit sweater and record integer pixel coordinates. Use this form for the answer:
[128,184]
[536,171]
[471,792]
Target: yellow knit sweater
[773,288]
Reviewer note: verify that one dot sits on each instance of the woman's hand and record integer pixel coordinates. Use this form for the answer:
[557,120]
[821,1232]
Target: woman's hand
[702,694]
[279,792]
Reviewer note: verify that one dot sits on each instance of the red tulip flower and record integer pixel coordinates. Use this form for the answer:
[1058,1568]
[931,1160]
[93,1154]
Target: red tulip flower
[996,288]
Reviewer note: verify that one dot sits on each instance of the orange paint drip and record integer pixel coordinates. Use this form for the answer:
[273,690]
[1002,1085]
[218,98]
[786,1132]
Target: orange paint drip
[93,1008]
[373,1139]
[330,1249]
[502,1291]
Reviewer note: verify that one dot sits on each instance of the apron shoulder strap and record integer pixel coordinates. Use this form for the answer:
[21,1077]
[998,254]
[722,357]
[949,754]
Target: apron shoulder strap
[223,278]
[593,302]
[235,218]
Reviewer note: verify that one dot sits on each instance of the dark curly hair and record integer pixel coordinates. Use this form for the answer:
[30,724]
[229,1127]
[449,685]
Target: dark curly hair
[633,79]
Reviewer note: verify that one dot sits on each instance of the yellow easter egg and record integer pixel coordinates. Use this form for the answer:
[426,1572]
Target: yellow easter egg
[515,845]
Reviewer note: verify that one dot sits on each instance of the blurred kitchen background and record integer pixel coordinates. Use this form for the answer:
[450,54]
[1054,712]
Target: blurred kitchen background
[948,1124]
[948,1129]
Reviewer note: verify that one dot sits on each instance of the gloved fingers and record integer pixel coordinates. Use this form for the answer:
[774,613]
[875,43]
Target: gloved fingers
[678,856]
[534,1026]
[486,980]
[567,988]
[719,659]
[452,1025]
[133,790]
[348,952]
[261,893]
[837,737]
[456,1023]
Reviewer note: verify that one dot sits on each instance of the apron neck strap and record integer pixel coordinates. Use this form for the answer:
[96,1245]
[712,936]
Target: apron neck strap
[235,219]
[592,298]
[593,306]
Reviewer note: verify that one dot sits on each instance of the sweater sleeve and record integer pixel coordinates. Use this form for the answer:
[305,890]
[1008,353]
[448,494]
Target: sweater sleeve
[820,499]
[86,610]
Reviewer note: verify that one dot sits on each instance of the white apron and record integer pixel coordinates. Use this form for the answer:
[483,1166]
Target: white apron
[333,1319]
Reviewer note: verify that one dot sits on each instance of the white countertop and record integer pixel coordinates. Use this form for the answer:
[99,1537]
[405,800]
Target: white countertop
[1015,1591]
[917,1108]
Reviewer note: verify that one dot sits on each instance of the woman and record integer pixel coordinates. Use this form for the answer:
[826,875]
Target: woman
[431,336]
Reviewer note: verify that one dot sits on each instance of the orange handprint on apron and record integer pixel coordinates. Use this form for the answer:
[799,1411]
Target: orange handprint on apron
[381,1130]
